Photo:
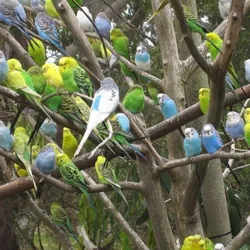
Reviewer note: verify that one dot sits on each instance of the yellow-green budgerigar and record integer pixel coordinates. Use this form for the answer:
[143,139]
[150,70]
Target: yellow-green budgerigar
[247,115]
[22,150]
[50,9]
[75,78]
[37,51]
[69,143]
[106,175]
[197,242]
[204,98]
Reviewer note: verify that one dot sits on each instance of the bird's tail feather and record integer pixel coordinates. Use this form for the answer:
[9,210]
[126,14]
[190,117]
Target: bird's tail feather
[84,139]
[118,191]
[231,171]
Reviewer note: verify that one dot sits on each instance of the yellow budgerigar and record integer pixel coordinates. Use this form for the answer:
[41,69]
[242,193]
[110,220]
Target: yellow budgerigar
[52,75]
[50,9]
[69,144]
[204,97]
[247,115]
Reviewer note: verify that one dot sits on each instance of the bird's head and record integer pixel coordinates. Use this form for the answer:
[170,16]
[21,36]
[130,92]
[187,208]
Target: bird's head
[14,64]
[247,63]
[66,132]
[162,98]
[61,158]
[141,49]
[190,133]
[208,130]
[116,33]
[19,130]
[2,124]
[233,116]
[35,70]
[219,246]
[100,161]
[188,240]
[204,92]
[48,69]
[54,206]
[66,63]
[2,57]
[247,113]
[212,36]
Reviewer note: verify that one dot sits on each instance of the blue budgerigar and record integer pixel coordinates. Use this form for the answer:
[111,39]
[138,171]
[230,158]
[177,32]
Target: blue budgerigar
[103,25]
[47,30]
[142,58]
[12,14]
[49,128]
[46,160]
[124,122]
[211,138]
[168,106]
[3,67]
[235,125]
[192,143]
[106,100]
[247,70]
[6,139]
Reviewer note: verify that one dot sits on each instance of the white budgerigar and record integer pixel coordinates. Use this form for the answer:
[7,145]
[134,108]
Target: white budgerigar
[224,8]
[247,70]
[84,22]
[106,100]
[219,246]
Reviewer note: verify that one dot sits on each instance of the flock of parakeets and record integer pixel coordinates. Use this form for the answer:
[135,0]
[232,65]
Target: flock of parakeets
[53,89]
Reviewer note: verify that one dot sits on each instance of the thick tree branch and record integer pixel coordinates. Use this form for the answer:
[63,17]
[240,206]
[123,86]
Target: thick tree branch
[20,52]
[88,244]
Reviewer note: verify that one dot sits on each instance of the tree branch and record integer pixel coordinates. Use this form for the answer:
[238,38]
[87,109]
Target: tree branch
[87,242]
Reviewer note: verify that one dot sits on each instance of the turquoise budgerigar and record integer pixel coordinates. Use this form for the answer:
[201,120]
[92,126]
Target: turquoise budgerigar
[235,125]
[4,68]
[12,13]
[142,58]
[212,143]
[46,159]
[103,24]
[49,128]
[106,100]
[47,30]
[167,105]
[192,143]
[6,139]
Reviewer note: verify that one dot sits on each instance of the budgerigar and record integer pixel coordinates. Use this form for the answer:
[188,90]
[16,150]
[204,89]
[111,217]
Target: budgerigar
[106,100]
[49,128]
[72,175]
[103,24]
[69,143]
[247,133]
[38,79]
[37,5]
[46,159]
[61,219]
[74,77]
[22,150]
[4,68]
[21,82]
[50,9]
[212,143]
[247,70]
[106,175]
[47,30]
[84,22]
[192,143]
[37,51]
[121,46]
[247,115]
[224,8]
[167,105]
[153,91]
[6,139]
[197,242]
[235,125]
[134,99]
[204,98]
[142,58]
[12,13]
[219,246]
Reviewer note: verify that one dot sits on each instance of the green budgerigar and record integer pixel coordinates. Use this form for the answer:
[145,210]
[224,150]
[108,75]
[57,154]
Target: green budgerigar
[22,151]
[121,45]
[37,51]
[74,77]
[61,219]
[106,175]
[153,91]
[134,99]
[72,175]
[197,242]
[204,98]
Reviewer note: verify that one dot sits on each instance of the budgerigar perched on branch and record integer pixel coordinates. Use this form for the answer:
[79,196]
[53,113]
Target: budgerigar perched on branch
[224,8]
[235,125]
[103,24]
[37,51]
[4,68]
[69,143]
[106,100]
[84,22]
[6,139]
[142,58]
[192,143]
[204,97]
